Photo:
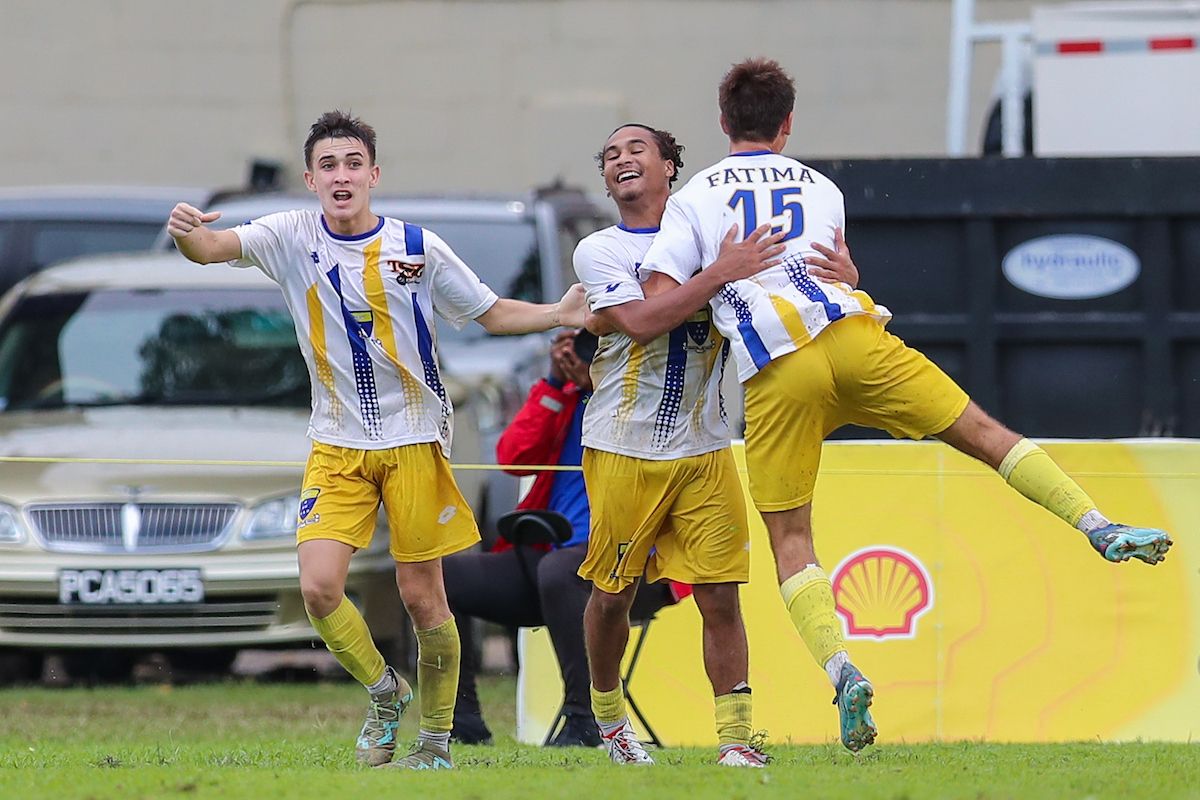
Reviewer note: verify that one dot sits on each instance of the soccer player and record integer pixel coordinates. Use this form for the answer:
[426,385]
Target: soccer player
[813,355]
[665,497]
[362,290]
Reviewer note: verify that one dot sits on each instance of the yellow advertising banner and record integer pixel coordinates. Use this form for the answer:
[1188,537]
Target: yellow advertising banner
[974,612]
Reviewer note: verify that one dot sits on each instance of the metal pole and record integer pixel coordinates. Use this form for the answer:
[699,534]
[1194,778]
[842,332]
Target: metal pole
[961,23]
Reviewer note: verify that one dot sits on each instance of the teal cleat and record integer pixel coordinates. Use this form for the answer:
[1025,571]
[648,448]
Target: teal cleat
[377,742]
[424,755]
[853,699]
[1122,542]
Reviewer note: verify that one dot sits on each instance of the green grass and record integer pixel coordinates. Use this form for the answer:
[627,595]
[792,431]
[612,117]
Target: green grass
[261,741]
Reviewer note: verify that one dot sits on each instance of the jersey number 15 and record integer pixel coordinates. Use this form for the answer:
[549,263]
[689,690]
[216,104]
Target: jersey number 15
[782,199]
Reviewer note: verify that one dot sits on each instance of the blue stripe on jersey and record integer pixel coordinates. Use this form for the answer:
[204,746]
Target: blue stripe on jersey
[721,381]
[425,346]
[754,343]
[414,239]
[798,274]
[358,237]
[364,372]
[752,153]
[668,409]
[621,225]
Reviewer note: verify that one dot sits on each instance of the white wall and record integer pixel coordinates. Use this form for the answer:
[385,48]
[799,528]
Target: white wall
[486,95]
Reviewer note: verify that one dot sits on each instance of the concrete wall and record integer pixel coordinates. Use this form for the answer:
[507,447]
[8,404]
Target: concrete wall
[486,95]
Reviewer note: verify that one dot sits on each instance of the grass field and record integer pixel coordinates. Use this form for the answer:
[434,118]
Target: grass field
[264,741]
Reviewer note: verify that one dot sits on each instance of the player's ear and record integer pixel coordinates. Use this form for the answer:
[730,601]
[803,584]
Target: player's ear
[374,176]
[786,127]
[724,125]
[309,182]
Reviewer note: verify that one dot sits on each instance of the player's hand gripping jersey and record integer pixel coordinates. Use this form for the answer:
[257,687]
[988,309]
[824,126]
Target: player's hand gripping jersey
[363,308]
[783,308]
[658,401]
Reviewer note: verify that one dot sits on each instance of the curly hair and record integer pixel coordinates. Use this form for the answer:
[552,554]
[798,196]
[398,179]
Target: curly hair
[668,148]
[339,125]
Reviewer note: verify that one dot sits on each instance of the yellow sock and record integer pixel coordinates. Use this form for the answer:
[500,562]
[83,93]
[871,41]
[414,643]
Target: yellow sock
[808,596]
[346,635]
[733,718]
[609,707]
[1028,469]
[438,654]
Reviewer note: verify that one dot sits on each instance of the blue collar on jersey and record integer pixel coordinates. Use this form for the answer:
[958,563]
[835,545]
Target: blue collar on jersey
[621,225]
[357,237]
[752,153]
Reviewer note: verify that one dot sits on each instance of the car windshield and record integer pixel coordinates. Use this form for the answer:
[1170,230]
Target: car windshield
[151,347]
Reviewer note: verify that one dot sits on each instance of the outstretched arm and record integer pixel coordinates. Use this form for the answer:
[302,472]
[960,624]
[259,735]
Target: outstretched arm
[199,243]
[508,316]
[669,304]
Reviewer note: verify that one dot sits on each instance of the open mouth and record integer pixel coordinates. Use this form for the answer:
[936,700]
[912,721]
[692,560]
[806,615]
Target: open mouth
[341,196]
[627,175]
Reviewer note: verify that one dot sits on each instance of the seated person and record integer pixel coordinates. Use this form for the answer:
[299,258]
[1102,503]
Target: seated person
[493,586]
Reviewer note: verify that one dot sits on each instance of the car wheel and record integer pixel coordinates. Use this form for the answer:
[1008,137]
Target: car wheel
[99,666]
[20,666]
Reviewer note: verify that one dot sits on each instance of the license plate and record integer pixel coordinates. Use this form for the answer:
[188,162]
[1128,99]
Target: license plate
[130,586]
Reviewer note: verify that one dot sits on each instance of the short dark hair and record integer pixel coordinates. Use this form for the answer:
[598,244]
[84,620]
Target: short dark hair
[755,98]
[339,125]
[668,148]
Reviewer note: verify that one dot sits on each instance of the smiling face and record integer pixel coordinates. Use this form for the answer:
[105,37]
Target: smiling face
[342,175]
[634,168]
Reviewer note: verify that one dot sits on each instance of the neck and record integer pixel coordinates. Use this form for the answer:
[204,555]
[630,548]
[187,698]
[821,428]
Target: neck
[645,212]
[360,223]
[750,146]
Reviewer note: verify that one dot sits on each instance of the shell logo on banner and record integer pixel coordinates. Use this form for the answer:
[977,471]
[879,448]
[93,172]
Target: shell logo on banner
[881,592]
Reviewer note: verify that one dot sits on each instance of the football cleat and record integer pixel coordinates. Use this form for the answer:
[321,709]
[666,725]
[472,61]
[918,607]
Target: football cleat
[743,755]
[424,755]
[1122,542]
[624,747]
[853,699]
[377,741]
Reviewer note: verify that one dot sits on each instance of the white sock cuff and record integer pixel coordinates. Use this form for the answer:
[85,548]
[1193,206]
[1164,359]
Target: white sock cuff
[1019,450]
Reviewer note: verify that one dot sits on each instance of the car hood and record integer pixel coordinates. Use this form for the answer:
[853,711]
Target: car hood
[145,433]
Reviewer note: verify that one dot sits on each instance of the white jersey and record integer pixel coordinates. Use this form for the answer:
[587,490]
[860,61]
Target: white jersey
[659,401]
[783,308]
[363,308]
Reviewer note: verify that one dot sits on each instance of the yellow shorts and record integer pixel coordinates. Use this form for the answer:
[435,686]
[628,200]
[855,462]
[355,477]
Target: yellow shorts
[853,372]
[683,519]
[426,512]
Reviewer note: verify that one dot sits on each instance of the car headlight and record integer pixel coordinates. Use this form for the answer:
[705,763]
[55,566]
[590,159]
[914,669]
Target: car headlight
[12,530]
[273,519]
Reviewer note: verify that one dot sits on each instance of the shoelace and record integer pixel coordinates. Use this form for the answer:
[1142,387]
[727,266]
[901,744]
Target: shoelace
[625,742]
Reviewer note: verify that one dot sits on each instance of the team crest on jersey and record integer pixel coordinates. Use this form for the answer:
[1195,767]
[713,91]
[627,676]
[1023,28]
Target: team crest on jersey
[406,272]
[880,592]
[308,499]
[697,327]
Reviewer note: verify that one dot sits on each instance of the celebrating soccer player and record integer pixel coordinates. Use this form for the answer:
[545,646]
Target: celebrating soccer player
[813,355]
[363,290]
[665,497]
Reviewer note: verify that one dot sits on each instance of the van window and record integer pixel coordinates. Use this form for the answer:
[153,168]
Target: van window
[55,241]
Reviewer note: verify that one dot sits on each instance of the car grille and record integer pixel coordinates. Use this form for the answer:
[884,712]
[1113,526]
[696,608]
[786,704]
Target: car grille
[214,615]
[132,527]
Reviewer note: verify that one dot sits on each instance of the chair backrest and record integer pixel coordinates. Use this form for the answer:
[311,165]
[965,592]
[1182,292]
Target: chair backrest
[534,526]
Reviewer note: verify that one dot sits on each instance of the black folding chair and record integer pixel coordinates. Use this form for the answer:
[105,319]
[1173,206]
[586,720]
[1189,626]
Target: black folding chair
[524,528]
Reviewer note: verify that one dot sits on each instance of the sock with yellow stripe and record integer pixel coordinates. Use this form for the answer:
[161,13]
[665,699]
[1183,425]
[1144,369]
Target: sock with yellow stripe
[733,717]
[609,709]
[346,635]
[1028,469]
[808,596]
[438,654]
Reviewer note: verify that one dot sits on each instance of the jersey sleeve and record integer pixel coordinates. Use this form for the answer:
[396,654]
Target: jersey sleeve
[677,251]
[458,294]
[264,243]
[606,281]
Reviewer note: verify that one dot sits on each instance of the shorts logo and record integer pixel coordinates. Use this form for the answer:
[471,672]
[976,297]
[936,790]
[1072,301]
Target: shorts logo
[308,499]
[881,592]
[447,514]
[621,548]
[406,272]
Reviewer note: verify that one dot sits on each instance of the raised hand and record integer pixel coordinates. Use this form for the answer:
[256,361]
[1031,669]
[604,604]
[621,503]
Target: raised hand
[186,218]
[570,311]
[740,260]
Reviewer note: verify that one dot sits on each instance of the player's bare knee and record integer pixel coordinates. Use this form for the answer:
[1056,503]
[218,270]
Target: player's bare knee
[611,607]
[718,603]
[322,594]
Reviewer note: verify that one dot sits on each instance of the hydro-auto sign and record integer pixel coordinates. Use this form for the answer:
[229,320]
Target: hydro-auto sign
[1071,267]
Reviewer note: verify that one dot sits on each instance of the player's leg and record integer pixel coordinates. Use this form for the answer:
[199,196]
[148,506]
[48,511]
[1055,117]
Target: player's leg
[492,587]
[429,519]
[629,499]
[337,517]
[563,601]
[1028,469]
[790,406]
